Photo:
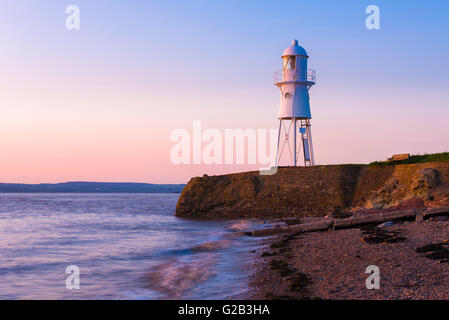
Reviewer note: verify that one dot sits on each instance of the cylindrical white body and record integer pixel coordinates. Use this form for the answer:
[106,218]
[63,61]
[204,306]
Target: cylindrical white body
[294,101]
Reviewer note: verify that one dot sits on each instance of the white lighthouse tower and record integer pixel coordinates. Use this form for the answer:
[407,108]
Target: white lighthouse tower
[295,81]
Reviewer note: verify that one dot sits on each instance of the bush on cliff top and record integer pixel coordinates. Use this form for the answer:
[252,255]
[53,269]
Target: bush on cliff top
[434,157]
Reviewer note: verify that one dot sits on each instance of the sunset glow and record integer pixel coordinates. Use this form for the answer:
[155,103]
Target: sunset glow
[99,104]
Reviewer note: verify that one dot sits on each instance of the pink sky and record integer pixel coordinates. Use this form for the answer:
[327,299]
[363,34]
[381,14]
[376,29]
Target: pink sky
[121,139]
[99,104]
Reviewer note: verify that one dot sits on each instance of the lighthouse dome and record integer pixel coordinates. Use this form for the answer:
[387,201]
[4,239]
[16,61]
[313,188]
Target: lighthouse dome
[295,50]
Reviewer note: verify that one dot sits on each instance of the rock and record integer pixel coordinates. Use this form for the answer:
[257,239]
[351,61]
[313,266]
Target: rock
[427,178]
[386,224]
[383,197]
[314,191]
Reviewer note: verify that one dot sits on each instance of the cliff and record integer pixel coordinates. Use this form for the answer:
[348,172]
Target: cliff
[315,191]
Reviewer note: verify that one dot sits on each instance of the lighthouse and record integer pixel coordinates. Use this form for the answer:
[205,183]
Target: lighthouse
[295,81]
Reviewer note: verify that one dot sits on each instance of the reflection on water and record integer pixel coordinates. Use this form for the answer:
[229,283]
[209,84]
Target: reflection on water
[127,246]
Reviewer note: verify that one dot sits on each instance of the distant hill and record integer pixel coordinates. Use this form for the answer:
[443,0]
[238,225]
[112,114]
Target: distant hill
[92,187]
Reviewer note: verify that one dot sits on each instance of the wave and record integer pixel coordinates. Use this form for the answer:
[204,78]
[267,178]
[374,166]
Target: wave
[240,225]
[212,245]
[174,277]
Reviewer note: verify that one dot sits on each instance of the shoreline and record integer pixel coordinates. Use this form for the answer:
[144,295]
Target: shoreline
[413,258]
[330,223]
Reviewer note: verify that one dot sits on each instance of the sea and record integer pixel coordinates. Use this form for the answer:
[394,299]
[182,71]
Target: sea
[119,246]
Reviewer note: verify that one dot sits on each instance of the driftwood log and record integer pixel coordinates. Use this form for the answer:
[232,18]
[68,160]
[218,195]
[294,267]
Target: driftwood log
[332,224]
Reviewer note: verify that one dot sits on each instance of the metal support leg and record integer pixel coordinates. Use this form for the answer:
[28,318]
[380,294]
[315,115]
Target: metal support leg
[294,139]
[312,157]
[279,140]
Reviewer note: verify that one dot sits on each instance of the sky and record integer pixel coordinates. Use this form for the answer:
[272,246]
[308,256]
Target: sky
[100,103]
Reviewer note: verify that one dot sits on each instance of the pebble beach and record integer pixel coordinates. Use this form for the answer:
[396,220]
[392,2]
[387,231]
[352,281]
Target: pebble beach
[412,257]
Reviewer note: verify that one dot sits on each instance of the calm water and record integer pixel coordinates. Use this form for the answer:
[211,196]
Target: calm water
[127,246]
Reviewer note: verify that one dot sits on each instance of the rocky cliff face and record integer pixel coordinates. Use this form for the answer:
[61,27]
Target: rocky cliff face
[314,191]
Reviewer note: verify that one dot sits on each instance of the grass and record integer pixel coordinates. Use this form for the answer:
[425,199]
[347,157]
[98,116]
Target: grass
[424,158]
